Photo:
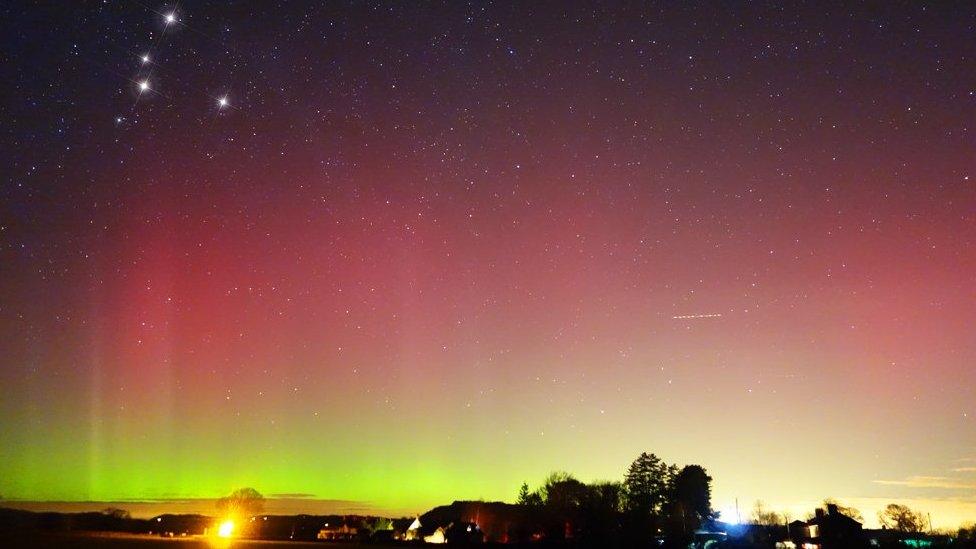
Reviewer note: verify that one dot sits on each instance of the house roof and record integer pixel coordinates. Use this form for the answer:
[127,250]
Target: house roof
[834,519]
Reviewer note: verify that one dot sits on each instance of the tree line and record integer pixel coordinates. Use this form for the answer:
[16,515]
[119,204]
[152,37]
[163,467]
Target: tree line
[669,502]
[653,497]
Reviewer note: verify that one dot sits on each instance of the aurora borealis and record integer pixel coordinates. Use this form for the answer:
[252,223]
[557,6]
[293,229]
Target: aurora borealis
[426,252]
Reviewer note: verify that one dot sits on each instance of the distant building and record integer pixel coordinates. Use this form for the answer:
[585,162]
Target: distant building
[885,537]
[412,532]
[464,533]
[797,530]
[437,536]
[180,525]
[828,529]
[488,521]
[338,531]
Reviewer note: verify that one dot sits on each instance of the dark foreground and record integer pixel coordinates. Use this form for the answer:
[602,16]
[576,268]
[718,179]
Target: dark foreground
[134,541]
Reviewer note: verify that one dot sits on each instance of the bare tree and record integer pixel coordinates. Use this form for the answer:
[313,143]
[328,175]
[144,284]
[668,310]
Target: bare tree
[241,503]
[763,516]
[902,518]
[119,514]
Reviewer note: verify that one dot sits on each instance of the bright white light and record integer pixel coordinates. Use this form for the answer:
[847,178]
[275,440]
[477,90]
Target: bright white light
[729,514]
[145,59]
[223,102]
[143,86]
[226,529]
[170,18]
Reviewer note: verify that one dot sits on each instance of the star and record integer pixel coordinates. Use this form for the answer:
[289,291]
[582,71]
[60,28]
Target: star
[143,86]
[144,58]
[223,102]
[170,18]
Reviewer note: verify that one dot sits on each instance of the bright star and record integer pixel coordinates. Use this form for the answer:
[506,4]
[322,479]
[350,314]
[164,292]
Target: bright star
[170,18]
[143,86]
[145,58]
[223,102]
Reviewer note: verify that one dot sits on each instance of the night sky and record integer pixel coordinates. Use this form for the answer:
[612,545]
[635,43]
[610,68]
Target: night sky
[401,254]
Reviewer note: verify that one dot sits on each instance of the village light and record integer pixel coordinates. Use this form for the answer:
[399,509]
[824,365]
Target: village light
[226,529]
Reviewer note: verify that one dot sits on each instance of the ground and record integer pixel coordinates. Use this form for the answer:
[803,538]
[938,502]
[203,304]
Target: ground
[115,541]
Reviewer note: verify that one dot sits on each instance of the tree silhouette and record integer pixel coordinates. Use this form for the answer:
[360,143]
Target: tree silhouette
[902,518]
[526,497]
[843,509]
[655,499]
[115,513]
[563,491]
[691,497]
[561,497]
[599,517]
[241,503]
[764,516]
[646,484]
[606,495]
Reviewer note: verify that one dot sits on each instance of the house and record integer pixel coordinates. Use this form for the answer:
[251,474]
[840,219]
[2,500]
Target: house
[338,531]
[412,532]
[438,536]
[490,521]
[464,532]
[796,530]
[827,529]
